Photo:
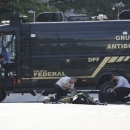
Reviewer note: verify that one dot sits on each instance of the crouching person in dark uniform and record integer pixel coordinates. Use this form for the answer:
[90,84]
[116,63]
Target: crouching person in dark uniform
[122,89]
[63,85]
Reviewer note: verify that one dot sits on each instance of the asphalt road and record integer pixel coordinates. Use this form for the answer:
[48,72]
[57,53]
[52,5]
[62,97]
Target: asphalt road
[18,98]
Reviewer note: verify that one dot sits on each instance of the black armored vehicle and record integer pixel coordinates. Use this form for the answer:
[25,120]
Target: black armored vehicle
[35,55]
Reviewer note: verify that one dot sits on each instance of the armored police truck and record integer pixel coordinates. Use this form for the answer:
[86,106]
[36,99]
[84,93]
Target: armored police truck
[40,53]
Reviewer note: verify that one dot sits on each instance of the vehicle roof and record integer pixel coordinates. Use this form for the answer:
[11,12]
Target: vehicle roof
[97,21]
[82,24]
[106,23]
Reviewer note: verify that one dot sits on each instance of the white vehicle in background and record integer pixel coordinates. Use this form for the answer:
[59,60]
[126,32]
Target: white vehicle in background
[99,17]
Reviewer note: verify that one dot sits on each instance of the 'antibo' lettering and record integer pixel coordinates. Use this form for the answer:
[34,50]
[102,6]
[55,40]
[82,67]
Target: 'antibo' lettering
[118,46]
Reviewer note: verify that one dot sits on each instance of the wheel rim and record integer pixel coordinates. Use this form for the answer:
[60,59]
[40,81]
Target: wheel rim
[107,88]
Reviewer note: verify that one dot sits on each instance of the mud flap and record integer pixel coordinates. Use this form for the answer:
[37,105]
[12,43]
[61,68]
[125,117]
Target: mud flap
[107,97]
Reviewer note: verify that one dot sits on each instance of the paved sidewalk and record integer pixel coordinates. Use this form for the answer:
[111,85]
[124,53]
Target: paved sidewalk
[39,116]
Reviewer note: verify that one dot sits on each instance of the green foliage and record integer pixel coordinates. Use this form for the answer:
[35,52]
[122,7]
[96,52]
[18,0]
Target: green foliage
[23,6]
[90,7]
[61,5]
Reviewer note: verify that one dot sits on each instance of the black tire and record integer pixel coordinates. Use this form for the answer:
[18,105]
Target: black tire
[2,94]
[104,94]
[106,86]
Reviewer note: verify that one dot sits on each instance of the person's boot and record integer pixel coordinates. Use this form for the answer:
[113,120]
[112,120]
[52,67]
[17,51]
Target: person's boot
[56,99]
[127,99]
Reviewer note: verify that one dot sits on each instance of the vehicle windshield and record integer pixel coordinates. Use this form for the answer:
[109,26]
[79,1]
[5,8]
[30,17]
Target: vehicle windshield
[7,47]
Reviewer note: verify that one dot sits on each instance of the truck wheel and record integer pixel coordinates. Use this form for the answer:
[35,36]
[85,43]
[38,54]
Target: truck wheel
[106,86]
[2,94]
